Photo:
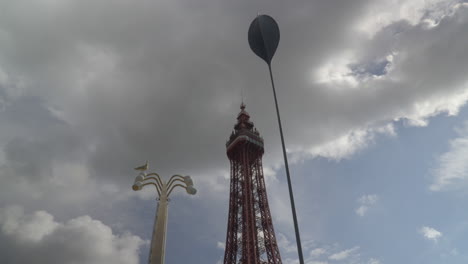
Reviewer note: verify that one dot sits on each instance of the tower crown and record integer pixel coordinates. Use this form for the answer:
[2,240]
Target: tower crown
[244,132]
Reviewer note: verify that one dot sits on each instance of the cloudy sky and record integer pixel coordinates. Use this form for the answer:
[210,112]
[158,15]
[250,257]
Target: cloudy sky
[372,94]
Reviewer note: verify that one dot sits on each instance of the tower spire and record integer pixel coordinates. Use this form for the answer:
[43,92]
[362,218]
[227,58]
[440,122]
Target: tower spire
[242,96]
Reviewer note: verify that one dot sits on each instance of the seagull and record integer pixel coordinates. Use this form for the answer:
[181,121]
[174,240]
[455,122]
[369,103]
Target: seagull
[143,167]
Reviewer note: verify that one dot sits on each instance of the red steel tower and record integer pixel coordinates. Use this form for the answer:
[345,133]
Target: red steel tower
[250,236]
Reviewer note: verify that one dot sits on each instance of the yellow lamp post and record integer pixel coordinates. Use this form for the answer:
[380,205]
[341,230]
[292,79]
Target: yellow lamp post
[164,189]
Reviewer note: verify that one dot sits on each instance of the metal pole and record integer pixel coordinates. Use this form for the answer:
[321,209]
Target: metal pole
[158,242]
[293,207]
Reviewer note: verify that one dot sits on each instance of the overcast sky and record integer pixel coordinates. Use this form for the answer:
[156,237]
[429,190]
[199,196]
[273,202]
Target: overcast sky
[372,95]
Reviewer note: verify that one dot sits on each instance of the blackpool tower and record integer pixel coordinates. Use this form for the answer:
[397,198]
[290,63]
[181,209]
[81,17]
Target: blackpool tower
[250,237]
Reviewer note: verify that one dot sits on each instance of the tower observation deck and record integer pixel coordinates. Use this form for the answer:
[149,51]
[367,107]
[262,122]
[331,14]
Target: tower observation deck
[250,237]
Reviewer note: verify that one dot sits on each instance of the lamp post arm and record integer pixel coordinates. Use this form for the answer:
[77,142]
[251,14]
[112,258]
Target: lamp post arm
[176,176]
[171,182]
[172,188]
[157,179]
[153,173]
[155,185]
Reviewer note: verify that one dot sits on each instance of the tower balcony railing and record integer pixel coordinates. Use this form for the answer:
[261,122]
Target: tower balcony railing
[249,135]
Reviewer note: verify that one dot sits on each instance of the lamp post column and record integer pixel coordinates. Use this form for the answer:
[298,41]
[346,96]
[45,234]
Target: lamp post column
[158,241]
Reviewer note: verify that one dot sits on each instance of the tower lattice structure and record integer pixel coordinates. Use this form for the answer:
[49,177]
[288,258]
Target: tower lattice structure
[250,235]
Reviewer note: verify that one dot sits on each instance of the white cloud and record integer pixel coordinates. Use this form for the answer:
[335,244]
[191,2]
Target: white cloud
[29,228]
[368,199]
[362,210]
[342,255]
[415,113]
[284,243]
[290,260]
[221,245]
[343,146]
[374,261]
[384,13]
[430,233]
[366,202]
[322,255]
[316,252]
[442,103]
[337,72]
[38,238]
[452,168]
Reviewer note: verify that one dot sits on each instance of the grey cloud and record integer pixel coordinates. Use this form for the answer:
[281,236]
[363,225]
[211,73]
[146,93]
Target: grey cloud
[161,81]
[173,78]
[120,82]
[38,238]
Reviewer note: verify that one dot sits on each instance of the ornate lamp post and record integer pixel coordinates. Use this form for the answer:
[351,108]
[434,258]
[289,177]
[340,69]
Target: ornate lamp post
[164,189]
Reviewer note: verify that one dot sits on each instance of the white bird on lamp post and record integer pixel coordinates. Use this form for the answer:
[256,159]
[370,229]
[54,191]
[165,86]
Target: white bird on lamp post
[143,167]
